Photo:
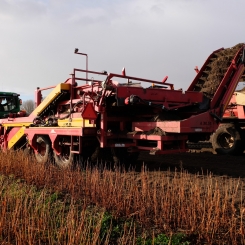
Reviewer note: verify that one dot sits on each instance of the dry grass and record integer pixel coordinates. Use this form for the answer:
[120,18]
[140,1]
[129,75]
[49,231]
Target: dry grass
[29,217]
[207,208]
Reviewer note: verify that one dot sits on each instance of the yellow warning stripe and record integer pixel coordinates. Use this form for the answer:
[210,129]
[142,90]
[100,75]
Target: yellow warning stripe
[16,137]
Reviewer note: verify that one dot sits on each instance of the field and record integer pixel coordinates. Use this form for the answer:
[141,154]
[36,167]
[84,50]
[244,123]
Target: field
[191,198]
[171,199]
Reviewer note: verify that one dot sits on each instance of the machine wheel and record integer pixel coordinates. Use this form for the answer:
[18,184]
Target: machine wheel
[66,157]
[227,140]
[44,149]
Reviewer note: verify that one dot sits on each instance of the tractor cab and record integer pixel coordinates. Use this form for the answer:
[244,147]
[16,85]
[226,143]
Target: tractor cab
[9,103]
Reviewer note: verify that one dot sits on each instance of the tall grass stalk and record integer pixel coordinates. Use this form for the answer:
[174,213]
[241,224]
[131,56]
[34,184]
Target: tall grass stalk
[206,207]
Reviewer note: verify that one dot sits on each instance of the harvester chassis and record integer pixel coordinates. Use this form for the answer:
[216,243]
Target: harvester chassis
[105,116]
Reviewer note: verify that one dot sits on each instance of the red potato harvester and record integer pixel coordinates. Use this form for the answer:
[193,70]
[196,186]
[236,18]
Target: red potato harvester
[112,120]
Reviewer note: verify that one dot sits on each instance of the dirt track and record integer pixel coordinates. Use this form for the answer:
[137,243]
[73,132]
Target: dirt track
[233,166]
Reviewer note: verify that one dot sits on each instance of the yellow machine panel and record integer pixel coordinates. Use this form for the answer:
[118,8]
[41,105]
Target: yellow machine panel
[240,98]
[76,122]
[18,135]
[54,94]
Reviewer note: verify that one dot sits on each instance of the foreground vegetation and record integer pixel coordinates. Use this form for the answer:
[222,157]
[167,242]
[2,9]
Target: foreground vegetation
[41,204]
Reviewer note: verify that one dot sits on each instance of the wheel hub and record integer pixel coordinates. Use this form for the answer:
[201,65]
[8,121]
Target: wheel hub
[226,141]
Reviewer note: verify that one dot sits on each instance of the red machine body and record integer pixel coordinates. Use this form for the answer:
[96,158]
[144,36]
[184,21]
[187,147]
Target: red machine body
[81,120]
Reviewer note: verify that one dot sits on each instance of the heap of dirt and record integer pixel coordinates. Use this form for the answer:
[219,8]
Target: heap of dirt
[218,67]
[209,80]
[165,116]
[156,131]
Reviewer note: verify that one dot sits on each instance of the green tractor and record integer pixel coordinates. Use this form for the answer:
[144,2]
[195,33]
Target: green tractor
[9,104]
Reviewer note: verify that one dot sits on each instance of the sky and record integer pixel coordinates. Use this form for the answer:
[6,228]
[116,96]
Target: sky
[150,38]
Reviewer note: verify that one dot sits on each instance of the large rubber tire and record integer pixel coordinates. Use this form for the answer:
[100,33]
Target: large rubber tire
[227,140]
[65,159]
[44,153]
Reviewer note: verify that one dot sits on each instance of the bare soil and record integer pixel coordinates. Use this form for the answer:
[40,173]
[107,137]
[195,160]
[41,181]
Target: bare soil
[232,166]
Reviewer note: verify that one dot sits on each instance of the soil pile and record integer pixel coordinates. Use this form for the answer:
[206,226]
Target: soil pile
[210,78]
[165,116]
[156,131]
[216,70]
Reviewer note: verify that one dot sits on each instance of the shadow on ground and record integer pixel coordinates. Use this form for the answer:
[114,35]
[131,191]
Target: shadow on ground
[233,166]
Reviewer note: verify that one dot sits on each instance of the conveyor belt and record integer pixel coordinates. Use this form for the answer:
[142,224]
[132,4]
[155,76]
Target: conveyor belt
[52,97]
